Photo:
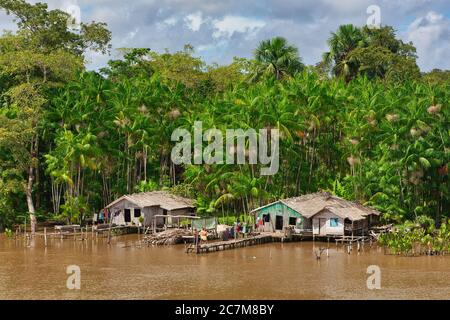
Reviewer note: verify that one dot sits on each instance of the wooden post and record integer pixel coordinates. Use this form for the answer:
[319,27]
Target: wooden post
[352,230]
[25,229]
[109,234]
[109,231]
[45,237]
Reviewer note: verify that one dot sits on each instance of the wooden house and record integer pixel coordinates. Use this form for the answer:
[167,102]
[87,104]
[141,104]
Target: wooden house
[278,215]
[128,209]
[321,214]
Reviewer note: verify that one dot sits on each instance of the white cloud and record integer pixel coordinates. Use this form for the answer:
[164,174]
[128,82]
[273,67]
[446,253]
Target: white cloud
[194,21]
[171,21]
[227,26]
[431,36]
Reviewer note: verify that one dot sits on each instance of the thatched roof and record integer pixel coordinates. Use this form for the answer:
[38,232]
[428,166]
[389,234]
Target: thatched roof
[161,199]
[311,204]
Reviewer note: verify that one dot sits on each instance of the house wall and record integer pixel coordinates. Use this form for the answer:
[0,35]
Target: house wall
[281,210]
[120,218]
[360,227]
[150,212]
[321,224]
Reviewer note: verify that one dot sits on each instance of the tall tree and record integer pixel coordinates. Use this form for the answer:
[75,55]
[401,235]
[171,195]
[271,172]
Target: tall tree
[341,44]
[373,52]
[278,58]
[43,54]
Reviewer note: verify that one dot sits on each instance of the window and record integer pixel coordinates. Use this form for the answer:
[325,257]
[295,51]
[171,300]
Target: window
[137,213]
[292,221]
[334,222]
[266,217]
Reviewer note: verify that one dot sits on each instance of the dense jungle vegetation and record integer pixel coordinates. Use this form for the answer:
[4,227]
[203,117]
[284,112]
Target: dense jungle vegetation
[364,123]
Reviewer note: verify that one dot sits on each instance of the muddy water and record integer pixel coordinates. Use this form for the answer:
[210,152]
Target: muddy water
[123,270]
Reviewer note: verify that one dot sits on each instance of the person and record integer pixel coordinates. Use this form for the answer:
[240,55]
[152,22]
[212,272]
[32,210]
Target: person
[226,235]
[204,235]
[238,230]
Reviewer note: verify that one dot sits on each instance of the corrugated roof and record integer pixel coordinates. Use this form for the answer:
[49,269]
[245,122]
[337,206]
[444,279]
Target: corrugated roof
[163,199]
[311,204]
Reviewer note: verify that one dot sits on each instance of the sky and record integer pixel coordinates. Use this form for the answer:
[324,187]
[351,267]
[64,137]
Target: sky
[222,29]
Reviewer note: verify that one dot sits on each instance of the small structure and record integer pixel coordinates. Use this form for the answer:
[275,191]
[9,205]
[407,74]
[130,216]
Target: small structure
[279,215]
[128,209]
[320,213]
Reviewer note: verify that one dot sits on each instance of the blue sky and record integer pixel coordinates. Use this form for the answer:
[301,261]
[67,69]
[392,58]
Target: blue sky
[220,30]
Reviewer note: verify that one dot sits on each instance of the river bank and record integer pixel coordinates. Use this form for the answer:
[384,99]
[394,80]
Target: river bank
[124,270]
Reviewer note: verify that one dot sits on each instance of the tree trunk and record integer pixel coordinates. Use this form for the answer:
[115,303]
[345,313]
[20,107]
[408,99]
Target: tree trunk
[29,187]
[30,204]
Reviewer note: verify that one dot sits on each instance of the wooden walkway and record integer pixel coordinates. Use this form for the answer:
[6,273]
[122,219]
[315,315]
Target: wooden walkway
[231,244]
[350,239]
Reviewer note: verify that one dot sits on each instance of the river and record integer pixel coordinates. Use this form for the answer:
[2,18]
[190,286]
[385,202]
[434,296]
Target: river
[123,270]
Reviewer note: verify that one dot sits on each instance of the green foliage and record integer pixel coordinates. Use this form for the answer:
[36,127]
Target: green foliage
[342,190]
[375,53]
[9,233]
[48,30]
[73,141]
[276,58]
[74,210]
[418,237]
[40,57]
[227,220]
[147,186]
[437,76]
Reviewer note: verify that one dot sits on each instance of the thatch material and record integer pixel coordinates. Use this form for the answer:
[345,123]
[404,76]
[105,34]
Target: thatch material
[168,237]
[311,204]
[162,199]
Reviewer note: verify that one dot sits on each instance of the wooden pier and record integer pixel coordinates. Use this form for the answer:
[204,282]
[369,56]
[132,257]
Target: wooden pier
[352,239]
[77,232]
[231,244]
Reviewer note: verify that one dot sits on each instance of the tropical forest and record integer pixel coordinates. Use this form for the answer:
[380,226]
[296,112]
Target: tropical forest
[364,123]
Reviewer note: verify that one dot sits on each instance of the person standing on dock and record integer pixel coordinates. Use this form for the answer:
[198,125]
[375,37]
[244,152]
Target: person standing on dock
[204,235]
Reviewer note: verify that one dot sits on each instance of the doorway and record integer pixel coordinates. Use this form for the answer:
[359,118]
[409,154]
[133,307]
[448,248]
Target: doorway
[322,226]
[127,215]
[278,222]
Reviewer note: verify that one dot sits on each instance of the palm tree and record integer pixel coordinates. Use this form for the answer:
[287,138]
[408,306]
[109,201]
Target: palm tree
[278,58]
[341,43]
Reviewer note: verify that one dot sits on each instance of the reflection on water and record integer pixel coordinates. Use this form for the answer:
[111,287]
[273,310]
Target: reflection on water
[123,270]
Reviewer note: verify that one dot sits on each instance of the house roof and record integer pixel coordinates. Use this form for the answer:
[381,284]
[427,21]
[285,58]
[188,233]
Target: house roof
[162,199]
[311,204]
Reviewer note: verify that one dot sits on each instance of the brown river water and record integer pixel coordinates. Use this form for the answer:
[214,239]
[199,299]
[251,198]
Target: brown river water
[123,270]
